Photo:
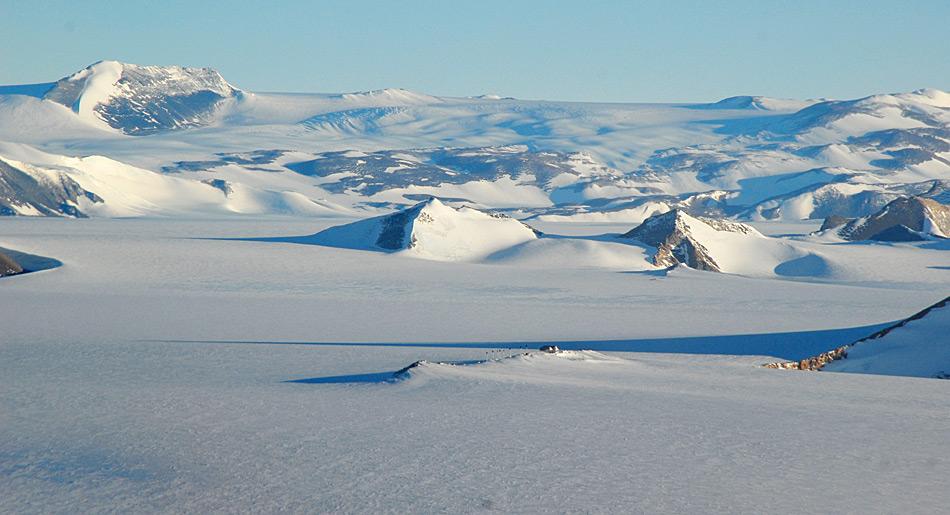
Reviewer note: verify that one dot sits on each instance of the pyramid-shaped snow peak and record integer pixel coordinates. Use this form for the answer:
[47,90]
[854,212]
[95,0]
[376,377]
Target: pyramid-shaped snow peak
[432,230]
[141,100]
[904,219]
[700,243]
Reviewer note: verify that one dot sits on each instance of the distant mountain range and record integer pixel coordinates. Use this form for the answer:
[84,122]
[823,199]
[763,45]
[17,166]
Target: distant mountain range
[118,139]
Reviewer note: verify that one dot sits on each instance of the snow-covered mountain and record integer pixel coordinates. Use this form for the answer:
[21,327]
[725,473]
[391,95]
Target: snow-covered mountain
[747,157]
[904,219]
[141,100]
[708,244]
[432,230]
[29,190]
[854,118]
[42,184]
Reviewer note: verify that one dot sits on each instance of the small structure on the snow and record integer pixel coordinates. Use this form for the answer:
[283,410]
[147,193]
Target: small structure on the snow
[550,349]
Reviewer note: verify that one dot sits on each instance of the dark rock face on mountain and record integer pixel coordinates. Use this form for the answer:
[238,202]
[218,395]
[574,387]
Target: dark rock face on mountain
[372,172]
[833,221]
[220,184]
[431,230]
[254,160]
[8,266]
[905,219]
[674,235]
[52,194]
[141,100]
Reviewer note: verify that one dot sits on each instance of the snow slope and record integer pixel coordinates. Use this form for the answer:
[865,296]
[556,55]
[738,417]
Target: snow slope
[48,184]
[916,346]
[179,361]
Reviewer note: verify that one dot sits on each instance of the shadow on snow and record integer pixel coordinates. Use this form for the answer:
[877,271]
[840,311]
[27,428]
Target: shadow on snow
[788,345]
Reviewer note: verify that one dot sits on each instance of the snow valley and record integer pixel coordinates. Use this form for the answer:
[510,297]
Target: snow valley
[216,298]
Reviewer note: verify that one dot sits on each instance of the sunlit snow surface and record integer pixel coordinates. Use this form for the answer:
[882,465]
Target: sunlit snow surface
[177,365]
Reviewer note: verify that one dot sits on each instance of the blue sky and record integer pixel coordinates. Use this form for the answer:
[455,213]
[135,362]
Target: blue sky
[591,50]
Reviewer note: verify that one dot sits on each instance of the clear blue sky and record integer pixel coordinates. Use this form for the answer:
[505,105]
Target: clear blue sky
[584,50]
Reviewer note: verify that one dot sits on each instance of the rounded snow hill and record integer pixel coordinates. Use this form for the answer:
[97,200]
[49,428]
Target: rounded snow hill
[431,230]
[757,103]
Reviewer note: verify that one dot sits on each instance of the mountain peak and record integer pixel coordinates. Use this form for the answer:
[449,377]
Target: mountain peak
[432,230]
[903,219]
[679,238]
[137,99]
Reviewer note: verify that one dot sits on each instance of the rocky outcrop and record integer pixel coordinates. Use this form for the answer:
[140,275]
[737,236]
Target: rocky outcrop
[833,221]
[673,234]
[904,219]
[813,363]
[933,331]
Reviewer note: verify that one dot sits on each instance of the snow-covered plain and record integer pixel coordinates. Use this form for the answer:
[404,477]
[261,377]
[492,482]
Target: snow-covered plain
[223,335]
[206,365]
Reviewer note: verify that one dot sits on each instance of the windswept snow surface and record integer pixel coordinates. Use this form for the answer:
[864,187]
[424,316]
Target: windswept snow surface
[222,333]
[209,365]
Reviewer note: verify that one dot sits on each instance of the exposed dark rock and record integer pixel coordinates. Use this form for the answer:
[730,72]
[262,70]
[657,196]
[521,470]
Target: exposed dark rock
[833,221]
[372,172]
[54,196]
[393,233]
[814,362]
[898,233]
[253,160]
[670,233]
[818,362]
[149,99]
[920,216]
[220,184]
